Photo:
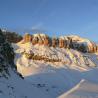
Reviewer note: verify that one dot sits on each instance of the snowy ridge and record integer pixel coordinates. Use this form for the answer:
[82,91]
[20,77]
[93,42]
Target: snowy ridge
[84,89]
[73,89]
[74,38]
[73,41]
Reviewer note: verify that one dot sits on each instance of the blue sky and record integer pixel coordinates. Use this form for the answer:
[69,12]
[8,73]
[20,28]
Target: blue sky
[54,17]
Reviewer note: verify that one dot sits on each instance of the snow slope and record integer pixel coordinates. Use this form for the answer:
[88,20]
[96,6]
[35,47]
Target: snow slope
[16,87]
[69,58]
[84,89]
[58,78]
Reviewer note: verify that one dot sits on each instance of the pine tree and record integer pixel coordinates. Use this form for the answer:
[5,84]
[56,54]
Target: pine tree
[82,48]
[6,54]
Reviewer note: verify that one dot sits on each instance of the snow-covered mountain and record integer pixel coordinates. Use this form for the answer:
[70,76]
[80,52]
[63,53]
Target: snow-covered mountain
[44,71]
[44,56]
[56,71]
[72,41]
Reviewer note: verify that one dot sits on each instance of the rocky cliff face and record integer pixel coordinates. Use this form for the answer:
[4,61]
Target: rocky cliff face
[74,42]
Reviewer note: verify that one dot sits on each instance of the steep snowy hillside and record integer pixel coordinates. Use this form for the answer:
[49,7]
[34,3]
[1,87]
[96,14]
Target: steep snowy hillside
[42,57]
[55,70]
[11,83]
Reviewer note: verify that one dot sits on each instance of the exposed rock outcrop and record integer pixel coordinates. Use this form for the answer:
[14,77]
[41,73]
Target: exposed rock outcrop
[27,38]
[73,42]
[54,42]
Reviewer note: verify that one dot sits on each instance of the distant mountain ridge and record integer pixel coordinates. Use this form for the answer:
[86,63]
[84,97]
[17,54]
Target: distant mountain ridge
[72,41]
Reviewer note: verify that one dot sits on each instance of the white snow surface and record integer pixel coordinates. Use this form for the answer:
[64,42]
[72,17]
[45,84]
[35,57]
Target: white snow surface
[69,58]
[74,77]
[84,89]
[16,87]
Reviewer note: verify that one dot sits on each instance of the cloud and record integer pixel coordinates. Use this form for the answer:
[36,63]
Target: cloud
[38,27]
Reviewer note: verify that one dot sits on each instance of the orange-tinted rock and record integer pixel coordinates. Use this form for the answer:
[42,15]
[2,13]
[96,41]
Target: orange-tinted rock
[46,41]
[61,43]
[34,40]
[40,41]
[27,38]
[95,48]
[54,42]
